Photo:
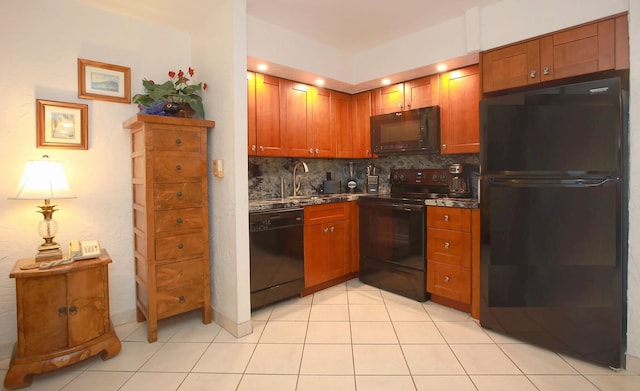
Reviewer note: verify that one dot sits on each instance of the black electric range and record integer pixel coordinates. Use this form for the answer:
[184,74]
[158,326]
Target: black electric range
[393,232]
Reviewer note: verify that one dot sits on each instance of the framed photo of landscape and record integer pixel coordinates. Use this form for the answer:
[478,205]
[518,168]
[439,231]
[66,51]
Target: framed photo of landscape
[102,81]
[62,125]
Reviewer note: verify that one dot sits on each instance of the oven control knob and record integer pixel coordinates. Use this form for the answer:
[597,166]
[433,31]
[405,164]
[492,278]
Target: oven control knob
[443,177]
[402,178]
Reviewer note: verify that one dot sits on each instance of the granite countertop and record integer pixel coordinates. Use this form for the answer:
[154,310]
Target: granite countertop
[301,201]
[469,203]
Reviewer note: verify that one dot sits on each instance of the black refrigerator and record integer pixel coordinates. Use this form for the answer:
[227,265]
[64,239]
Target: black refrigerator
[554,217]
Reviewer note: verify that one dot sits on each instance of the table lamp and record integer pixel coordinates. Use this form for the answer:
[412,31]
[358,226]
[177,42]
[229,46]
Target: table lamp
[45,180]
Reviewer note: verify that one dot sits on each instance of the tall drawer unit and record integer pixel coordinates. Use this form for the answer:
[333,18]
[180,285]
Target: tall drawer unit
[170,213]
[449,254]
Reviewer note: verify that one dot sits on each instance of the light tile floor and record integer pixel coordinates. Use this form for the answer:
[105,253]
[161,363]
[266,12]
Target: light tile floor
[348,337]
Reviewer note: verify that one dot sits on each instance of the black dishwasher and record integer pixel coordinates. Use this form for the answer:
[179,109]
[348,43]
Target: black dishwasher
[277,255]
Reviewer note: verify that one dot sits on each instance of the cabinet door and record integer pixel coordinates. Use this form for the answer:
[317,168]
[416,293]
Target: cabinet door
[361,114]
[323,141]
[421,92]
[341,124]
[511,66]
[298,119]
[87,304]
[252,147]
[388,99]
[315,252]
[578,51]
[270,134]
[460,111]
[44,315]
[338,260]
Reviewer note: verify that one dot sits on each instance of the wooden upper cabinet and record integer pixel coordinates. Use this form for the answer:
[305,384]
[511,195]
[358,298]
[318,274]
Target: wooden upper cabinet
[341,123]
[460,111]
[269,130]
[323,135]
[297,123]
[361,125]
[413,94]
[252,141]
[423,92]
[510,66]
[593,47]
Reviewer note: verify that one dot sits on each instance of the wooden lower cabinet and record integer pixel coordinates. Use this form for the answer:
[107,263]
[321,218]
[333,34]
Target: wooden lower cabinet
[63,317]
[453,257]
[328,245]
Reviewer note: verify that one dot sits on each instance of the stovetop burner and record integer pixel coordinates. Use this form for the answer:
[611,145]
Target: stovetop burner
[427,183]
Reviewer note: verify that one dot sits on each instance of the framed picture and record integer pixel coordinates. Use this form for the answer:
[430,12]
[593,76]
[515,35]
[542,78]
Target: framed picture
[62,125]
[98,80]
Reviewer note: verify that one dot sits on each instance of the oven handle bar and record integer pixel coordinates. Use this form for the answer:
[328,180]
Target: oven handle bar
[408,208]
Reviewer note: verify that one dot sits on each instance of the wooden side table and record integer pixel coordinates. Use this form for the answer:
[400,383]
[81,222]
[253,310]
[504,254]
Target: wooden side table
[63,317]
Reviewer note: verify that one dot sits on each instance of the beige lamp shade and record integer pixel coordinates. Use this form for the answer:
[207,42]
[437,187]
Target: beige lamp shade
[43,180]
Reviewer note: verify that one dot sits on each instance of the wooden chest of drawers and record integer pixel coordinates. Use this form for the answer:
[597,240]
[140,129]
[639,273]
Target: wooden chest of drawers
[170,207]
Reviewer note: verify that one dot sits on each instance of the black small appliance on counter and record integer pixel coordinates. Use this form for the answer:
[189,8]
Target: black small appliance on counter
[460,177]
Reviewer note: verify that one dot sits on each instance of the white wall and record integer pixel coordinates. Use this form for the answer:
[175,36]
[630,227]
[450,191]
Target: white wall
[226,32]
[41,42]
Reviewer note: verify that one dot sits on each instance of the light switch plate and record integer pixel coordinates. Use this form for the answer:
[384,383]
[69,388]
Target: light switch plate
[218,168]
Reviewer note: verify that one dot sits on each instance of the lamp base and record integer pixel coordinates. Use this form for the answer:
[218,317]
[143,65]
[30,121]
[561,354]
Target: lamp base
[49,255]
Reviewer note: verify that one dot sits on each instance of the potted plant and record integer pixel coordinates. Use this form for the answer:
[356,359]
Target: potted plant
[173,97]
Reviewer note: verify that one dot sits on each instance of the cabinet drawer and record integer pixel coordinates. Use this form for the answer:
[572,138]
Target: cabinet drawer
[171,168]
[178,300]
[179,246]
[452,247]
[456,219]
[179,274]
[176,140]
[177,195]
[449,281]
[318,214]
[178,220]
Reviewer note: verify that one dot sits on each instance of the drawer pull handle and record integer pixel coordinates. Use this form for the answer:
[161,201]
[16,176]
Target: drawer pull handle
[178,141]
[179,220]
[73,310]
[446,279]
[180,246]
[179,194]
[447,244]
[446,217]
[182,299]
[332,228]
[326,229]
[178,167]
[62,310]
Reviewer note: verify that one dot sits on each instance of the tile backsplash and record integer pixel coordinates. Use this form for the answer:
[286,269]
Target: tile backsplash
[265,173]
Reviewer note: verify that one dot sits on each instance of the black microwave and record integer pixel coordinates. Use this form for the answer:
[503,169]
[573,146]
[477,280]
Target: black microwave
[416,130]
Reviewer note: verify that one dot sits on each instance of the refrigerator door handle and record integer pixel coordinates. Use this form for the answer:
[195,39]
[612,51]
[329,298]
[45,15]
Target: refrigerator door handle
[551,182]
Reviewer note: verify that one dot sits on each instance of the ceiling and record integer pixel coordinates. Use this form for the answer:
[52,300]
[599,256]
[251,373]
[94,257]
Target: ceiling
[348,25]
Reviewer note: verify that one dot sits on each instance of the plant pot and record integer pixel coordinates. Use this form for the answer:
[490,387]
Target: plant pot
[178,109]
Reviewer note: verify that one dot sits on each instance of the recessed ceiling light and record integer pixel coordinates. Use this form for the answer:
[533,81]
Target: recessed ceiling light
[262,67]
[441,67]
[320,82]
[386,82]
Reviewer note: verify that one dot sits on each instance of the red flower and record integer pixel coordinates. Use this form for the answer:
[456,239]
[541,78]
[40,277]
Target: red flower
[204,86]
[191,71]
[180,74]
[172,74]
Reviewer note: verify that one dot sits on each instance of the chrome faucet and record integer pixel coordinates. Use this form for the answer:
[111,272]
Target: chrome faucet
[296,182]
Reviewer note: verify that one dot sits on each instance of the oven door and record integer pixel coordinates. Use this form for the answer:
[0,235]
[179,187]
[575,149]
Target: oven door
[392,246]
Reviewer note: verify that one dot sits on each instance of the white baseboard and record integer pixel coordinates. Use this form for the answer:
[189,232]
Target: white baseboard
[633,364]
[236,329]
